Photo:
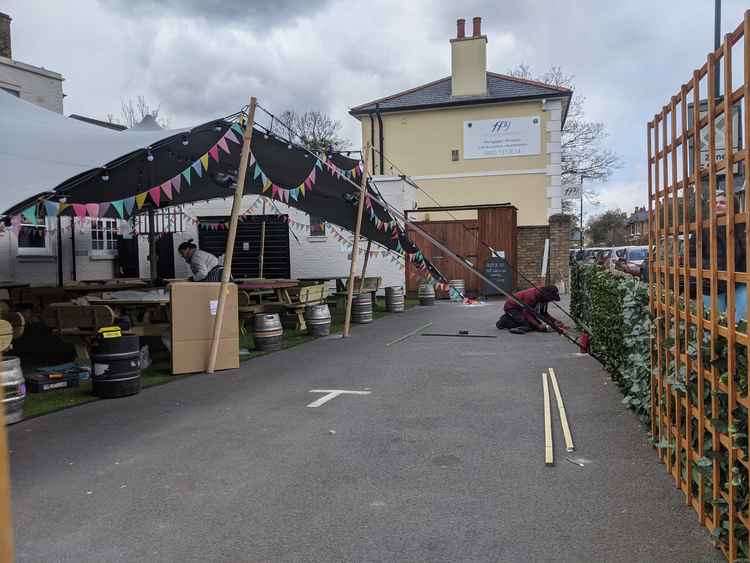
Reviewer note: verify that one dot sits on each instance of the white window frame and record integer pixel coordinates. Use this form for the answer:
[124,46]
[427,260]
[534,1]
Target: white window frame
[46,250]
[104,226]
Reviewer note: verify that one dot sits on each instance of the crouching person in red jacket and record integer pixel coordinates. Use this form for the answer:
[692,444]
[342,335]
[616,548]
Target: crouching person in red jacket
[520,319]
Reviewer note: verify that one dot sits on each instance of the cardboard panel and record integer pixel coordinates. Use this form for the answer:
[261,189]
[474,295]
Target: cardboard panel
[191,356]
[193,316]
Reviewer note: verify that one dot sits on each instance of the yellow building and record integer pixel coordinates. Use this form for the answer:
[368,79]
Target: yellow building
[474,137]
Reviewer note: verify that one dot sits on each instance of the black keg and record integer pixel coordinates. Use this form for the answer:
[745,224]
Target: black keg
[116,364]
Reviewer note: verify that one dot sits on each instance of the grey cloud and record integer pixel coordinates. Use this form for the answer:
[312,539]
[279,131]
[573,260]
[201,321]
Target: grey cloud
[257,14]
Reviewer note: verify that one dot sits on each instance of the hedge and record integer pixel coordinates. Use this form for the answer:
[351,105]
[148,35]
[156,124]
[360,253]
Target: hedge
[613,308]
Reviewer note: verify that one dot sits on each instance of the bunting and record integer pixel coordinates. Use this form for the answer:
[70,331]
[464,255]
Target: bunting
[124,208]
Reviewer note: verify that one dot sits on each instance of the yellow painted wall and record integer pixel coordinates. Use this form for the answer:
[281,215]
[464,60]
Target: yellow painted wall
[420,144]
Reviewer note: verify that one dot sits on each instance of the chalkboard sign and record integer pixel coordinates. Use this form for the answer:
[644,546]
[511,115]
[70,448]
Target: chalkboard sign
[498,270]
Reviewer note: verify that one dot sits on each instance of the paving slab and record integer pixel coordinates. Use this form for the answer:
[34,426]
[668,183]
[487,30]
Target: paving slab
[443,460]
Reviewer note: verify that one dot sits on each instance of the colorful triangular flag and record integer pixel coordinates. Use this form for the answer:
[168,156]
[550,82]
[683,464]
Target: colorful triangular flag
[222,144]
[80,210]
[140,199]
[51,208]
[92,209]
[129,203]
[30,214]
[177,183]
[118,208]
[204,161]
[155,194]
[198,168]
[231,136]
[166,187]
[186,174]
[214,152]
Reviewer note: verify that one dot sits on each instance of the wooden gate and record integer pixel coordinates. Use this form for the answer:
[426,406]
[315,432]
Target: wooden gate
[495,226]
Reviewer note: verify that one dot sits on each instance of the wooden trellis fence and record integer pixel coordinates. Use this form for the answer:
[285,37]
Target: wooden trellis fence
[698,208]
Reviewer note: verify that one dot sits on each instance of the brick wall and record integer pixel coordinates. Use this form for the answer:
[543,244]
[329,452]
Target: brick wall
[530,253]
[559,262]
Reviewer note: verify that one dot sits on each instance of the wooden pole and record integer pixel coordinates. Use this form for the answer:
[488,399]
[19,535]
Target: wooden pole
[229,252]
[262,239]
[364,268]
[6,526]
[355,245]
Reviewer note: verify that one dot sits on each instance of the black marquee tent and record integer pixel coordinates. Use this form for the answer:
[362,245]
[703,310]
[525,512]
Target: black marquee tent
[67,168]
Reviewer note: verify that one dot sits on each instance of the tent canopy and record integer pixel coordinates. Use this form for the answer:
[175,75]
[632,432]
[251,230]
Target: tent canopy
[55,165]
[40,149]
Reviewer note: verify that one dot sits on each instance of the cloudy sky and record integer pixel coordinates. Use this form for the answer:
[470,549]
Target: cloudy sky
[201,58]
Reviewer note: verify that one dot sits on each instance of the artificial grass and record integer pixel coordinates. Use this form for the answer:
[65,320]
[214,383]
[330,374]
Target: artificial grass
[37,404]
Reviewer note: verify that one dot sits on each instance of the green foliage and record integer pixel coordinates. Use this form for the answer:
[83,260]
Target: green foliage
[614,309]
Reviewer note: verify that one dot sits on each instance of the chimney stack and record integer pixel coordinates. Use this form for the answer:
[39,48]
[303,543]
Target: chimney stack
[469,61]
[5,50]
[477,27]
[461,28]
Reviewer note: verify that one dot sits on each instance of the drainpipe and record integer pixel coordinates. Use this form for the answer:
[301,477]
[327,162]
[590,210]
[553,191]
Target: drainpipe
[380,141]
[59,252]
[372,142]
[73,246]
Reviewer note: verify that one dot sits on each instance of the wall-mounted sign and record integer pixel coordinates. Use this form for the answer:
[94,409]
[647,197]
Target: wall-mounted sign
[572,192]
[506,136]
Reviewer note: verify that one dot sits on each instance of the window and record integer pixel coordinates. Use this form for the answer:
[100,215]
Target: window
[103,236]
[317,226]
[33,240]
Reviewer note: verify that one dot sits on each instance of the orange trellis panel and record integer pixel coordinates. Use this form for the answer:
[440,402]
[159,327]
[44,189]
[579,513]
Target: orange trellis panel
[698,167]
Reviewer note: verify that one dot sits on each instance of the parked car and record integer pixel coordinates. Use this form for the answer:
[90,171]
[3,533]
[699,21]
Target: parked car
[633,259]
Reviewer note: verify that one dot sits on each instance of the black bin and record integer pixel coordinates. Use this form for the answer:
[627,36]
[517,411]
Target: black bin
[116,364]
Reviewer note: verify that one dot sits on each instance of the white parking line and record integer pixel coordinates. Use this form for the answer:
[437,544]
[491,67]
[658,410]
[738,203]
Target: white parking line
[332,393]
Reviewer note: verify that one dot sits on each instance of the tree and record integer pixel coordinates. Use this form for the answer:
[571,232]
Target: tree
[608,229]
[584,153]
[315,130]
[132,113]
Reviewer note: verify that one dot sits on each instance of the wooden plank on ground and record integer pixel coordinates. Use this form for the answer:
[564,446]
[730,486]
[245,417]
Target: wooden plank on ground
[549,455]
[563,415]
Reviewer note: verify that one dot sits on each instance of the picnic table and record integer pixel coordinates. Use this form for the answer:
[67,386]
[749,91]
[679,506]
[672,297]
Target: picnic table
[79,320]
[290,296]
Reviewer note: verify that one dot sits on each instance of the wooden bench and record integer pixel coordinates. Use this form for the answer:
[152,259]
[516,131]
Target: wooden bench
[78,324]
[297,299]
[370,285]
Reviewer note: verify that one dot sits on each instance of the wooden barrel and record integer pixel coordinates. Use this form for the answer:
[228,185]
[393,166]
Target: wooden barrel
[268,332]
[318,320]
[426,294]
[394,299]
[456,290]
[362,308]
[116,365]
[14,388]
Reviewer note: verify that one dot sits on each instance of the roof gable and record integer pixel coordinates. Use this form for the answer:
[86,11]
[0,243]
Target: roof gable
[500,87]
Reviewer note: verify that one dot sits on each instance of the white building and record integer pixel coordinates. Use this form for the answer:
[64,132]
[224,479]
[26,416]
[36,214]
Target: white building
[34,84]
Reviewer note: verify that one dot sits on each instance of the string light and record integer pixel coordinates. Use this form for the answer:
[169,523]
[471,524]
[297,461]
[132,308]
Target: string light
[185,140]
[150,156]
[105,175]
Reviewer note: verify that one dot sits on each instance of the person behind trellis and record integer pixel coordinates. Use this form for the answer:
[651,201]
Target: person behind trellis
[520,319]
[740,261]
[204,265]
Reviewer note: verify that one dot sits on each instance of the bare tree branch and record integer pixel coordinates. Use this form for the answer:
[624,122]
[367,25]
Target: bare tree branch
[315,130]
[132,113]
